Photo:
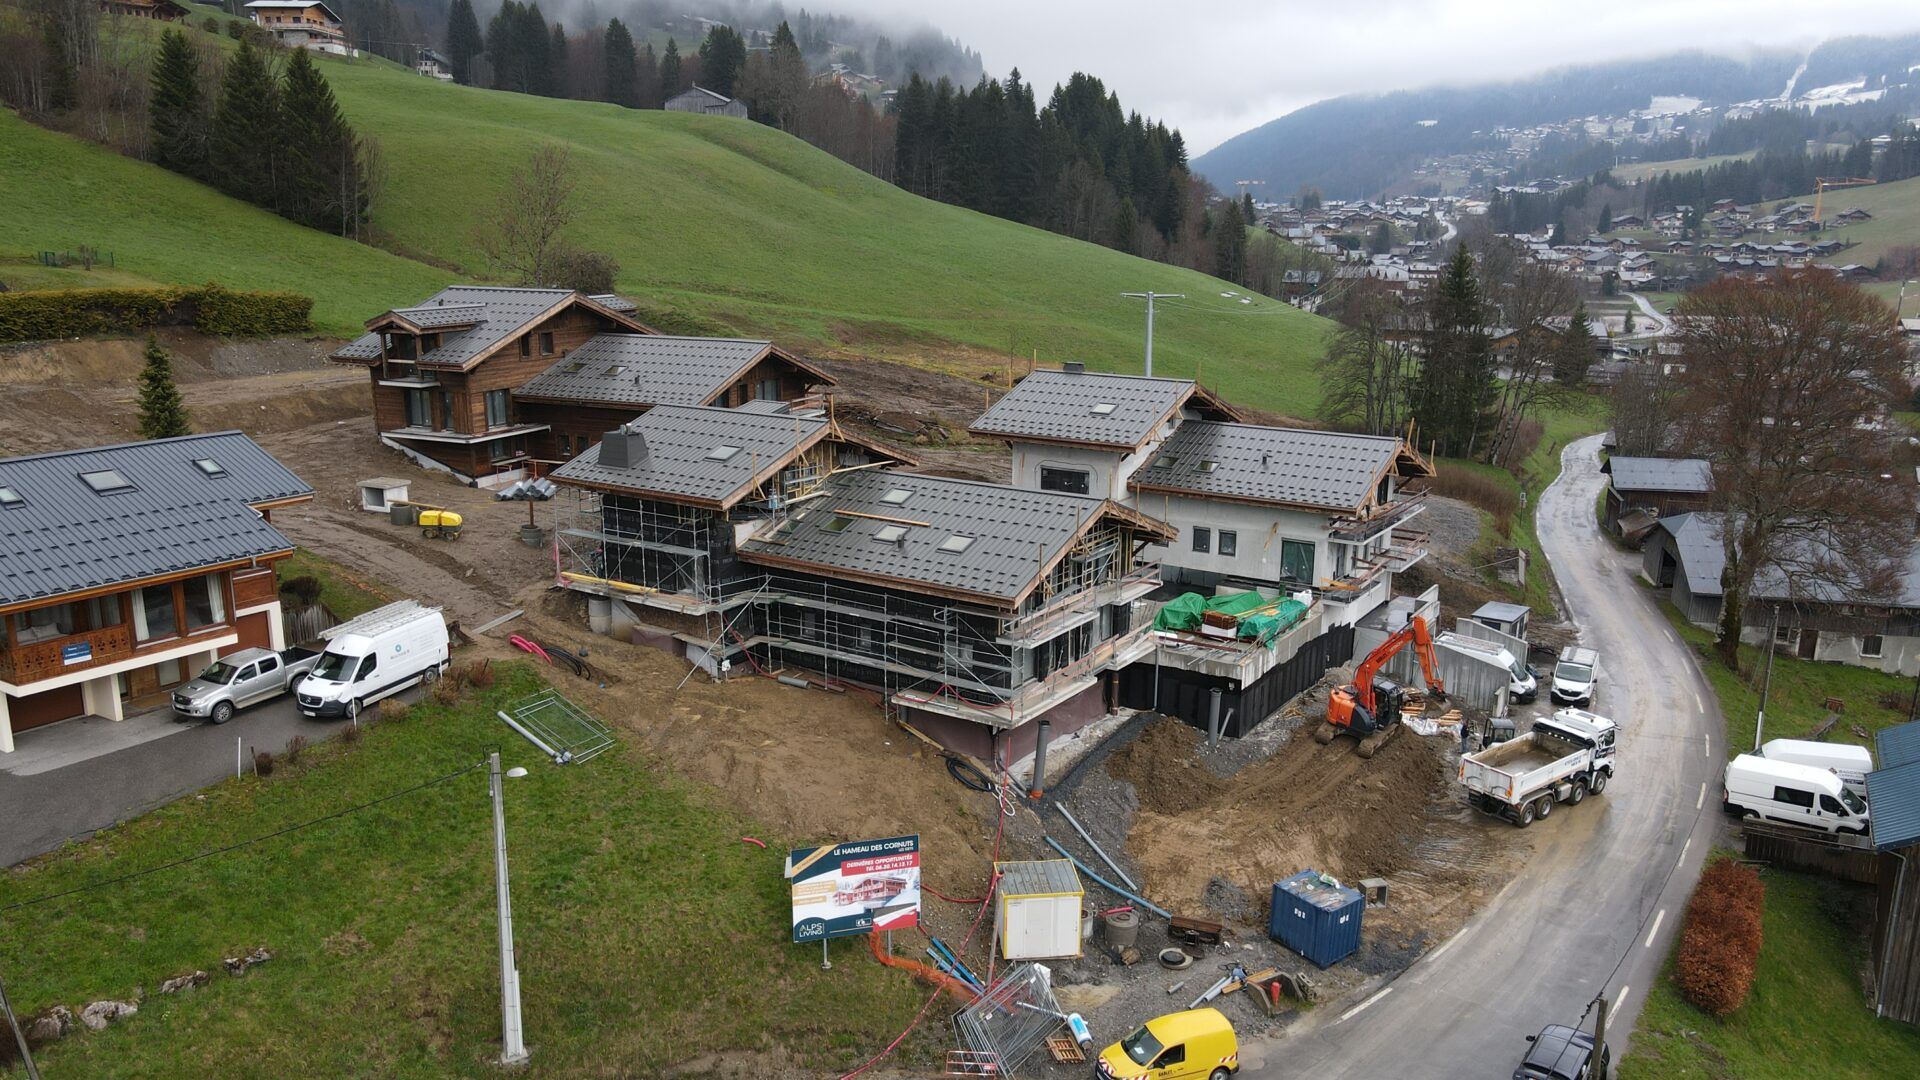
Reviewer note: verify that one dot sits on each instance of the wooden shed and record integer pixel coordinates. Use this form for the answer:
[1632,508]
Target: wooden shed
[1893,791]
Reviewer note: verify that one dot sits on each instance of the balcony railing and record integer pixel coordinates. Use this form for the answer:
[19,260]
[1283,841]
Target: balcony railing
[39,660]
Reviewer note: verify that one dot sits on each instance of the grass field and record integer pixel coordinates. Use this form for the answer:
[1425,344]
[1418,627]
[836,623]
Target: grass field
[1797,701]
[1896,220]
[345,593]
[166,228]
[1647,170]
[752,230]
[649,936]
[1806,1018]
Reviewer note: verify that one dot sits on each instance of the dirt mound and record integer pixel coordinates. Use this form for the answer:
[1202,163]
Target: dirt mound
[1307,807]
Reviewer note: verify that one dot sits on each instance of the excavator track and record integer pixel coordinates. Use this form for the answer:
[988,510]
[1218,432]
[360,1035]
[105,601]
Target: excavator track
[1371,745]
[1325,734]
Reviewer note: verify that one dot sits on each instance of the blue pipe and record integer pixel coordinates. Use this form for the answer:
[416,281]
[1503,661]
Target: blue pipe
[954,958]
[1141,900]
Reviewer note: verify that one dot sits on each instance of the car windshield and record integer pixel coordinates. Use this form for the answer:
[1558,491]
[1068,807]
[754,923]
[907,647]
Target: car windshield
[1573,672]
[220,672]
[1141,1046]
[1853,802]
[333,667]
[1520,672]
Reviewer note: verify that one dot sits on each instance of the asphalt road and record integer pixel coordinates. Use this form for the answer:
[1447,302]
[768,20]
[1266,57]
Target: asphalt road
[1609,878]
[44,810]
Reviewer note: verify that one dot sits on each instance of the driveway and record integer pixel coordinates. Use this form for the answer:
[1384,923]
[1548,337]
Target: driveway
[71,779]
[1609,879]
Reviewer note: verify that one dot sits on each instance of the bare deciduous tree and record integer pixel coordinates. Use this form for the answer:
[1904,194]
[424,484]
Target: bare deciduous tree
[1642,402]
[1782,381]
[522,236]
[1530,299]
[1369,365]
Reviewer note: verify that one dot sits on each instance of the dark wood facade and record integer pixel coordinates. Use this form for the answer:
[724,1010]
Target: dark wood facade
[1664,503]
[1896,936]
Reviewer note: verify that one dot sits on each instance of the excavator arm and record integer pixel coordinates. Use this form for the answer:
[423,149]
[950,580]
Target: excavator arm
[1415,633]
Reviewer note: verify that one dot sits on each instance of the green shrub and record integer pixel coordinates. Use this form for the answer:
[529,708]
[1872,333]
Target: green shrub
[1720,943]
[49,314]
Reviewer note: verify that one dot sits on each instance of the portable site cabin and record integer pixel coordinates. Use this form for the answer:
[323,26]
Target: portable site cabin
[1510,619]
[1317,917]
[1039,910]
[379,493]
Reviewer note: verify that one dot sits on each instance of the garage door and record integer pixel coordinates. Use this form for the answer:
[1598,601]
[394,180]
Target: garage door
[254,632]
[46,707]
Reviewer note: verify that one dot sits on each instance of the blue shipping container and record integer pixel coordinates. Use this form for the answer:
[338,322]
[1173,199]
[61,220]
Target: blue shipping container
[1319,921]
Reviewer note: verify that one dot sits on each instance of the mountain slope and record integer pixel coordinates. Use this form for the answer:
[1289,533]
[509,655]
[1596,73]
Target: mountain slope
[743,224]
[1353,146]
[62,193]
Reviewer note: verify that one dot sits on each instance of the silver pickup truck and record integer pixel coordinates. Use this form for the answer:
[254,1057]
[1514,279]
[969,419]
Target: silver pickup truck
[241,679]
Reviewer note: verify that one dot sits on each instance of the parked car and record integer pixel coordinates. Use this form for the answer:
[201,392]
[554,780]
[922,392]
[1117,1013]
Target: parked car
[375,656]
[1791,794]
[240,679]
[1197,1044]
[1576,675]
[1850,763]
[1562,1053]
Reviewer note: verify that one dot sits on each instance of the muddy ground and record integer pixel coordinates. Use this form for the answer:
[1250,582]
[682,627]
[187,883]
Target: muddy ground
[1205,831]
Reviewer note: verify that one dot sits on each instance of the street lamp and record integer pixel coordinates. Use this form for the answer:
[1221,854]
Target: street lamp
[513,1046]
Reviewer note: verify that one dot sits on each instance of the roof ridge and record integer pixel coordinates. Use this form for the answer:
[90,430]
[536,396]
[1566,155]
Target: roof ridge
[48,454]
[1114,375]
[1279,427]
[896,474]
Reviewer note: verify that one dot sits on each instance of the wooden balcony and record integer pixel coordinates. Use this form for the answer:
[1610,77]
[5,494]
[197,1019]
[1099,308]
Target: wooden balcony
[251,588]
[39,660]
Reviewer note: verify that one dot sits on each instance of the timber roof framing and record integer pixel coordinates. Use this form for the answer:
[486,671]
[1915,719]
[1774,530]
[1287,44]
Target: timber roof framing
[484,320]
[1091,408]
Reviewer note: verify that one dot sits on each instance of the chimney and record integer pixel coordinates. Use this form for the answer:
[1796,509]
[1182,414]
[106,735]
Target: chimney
[1074,367]
[623,449]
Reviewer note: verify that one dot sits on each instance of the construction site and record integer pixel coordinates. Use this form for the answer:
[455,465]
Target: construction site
[804,701]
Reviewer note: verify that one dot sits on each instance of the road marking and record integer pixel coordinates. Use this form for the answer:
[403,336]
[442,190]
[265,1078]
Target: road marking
[1356,1010]
[1701,801]
[1670,639]
[1621,998]
[1435,954]
[1698,705]
[1657,920]
[1706,746]
[1684,847]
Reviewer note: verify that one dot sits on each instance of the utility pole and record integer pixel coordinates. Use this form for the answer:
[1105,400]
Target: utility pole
[513,1046]
[1766,682]
[1600,1028]
[19,1036]
[1150,297]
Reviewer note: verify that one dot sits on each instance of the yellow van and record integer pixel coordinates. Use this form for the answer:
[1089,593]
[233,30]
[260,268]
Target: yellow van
[1198,1043]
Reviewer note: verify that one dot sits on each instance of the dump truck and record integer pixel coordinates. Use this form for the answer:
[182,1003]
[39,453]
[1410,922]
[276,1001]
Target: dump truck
[1563,758]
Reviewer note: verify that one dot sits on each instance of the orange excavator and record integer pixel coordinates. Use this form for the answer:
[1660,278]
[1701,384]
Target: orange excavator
[1369,707]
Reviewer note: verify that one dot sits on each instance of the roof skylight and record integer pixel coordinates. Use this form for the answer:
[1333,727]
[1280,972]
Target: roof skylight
[1104,408]
[575,366]
[896,496]
[1205,466]
[10,498]
[209,466]
[956,544]
[722,453]
[1165,461]
[106,481]
[890,534]
[836,523]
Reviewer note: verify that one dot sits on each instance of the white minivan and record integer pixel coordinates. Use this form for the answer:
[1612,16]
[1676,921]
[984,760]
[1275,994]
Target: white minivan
[374,656]
[1850,763]
[1791,794]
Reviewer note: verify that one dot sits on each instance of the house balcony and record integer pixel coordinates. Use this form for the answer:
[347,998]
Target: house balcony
[418,433]
[35,661]
[1064,613]
[1359,530]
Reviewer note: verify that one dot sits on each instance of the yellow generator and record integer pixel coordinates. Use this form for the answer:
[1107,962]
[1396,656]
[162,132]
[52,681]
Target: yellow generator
[440,524]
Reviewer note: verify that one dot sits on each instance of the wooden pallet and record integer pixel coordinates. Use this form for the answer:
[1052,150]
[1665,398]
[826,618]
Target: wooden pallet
[1065,1050]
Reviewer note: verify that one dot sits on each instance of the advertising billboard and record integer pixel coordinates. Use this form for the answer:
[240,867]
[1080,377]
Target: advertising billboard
[853,888]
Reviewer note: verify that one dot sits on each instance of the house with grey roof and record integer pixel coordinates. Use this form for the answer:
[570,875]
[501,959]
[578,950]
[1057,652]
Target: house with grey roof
[1893,792]
[1683,556]
[699,99]
[1643,490]
[612,378]
[126,569]
[444,371]
[750,539]
[1256,507]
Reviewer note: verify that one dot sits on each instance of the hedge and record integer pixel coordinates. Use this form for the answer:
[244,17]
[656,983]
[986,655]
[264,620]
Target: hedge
[1720,943]
[49,314]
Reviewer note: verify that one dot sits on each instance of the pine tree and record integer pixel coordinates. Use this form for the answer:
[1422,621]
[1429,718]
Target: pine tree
[464,41]
[722,55]
[670,71]
[646,80]
[246,138]
[1230,244]
[322,182]
[177,112]
[163,414]
[1246,207]
[617,64]
[1454,388]
[557,65]
[1606,220]
[1574,352]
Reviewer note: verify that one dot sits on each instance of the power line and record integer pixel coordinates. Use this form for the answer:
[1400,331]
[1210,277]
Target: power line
[277,833]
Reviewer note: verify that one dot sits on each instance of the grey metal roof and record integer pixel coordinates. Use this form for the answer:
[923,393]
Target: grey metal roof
[1015,531]
[1893,796]
[1293,466]
[615,302]
[1898,745]
[64,537]
[1701,557]
[434,316]
[1684,475]
[646,369]
[1059,405]
[678,440]
[503,313]
[1501,611]
[769,408]
[1043,877]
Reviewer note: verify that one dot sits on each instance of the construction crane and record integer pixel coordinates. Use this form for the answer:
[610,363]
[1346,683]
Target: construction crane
[1821,186]
[1369,707]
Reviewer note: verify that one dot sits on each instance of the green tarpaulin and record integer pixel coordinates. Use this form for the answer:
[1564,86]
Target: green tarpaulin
[1185,612]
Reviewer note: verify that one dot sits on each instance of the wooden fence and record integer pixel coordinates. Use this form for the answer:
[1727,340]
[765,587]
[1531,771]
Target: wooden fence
[306,624]
[1848,858]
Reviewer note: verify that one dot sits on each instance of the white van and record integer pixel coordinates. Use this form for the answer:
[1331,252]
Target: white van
[1790,794]
[374,656]
[1576,676]
[1850,763]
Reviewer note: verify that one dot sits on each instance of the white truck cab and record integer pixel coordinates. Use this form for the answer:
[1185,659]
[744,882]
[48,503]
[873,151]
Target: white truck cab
[375,656]
[1788,793]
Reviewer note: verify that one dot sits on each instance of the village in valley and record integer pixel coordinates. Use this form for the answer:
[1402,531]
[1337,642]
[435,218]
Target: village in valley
[782,554]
